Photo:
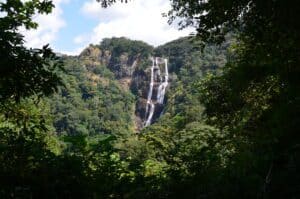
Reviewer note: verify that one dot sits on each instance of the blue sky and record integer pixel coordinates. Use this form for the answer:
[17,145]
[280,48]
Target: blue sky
[74,24]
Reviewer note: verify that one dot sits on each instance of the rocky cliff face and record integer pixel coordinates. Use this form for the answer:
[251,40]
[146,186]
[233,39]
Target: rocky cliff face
[129,62]
[133,73]
[93,56]
[108,85]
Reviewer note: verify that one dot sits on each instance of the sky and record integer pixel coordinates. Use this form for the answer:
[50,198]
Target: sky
[74,24]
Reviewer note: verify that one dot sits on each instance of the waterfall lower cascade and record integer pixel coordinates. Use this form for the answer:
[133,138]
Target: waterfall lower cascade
[156,79]
[162,87]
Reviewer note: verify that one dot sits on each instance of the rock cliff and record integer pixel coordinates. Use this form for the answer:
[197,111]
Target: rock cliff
[131,69]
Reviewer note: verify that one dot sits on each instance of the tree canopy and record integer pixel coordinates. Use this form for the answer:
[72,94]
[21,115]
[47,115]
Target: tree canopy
[23,71]
[256,99]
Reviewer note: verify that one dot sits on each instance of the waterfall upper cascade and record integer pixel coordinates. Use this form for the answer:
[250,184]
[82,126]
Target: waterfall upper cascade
[161,83]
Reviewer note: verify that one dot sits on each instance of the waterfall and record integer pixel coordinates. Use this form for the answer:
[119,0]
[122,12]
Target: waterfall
[148,122]
[162,87]
[161,90]
[149,99]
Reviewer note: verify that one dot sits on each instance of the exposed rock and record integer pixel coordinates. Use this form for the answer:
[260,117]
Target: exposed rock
[92,53]
[130,74]
[124,65]
[94,56]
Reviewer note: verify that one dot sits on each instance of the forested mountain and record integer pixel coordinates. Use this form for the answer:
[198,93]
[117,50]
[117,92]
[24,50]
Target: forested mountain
[106,86]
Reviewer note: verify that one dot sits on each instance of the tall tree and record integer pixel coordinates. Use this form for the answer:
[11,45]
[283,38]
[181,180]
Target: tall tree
[257,97]
[24,74]
[23,71]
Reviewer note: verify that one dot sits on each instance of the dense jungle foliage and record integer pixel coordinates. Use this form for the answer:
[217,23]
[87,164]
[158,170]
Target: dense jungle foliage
[229,127]
[91,101]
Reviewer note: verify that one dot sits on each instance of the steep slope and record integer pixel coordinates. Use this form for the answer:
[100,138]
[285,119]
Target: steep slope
[92,102]
[107,86]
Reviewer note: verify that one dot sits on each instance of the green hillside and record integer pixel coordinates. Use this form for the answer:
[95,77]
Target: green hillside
[95,101]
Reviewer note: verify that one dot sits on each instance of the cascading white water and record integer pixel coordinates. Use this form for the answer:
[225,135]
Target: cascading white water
[150,107]
[162,87]
[148,122]
[149,99]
